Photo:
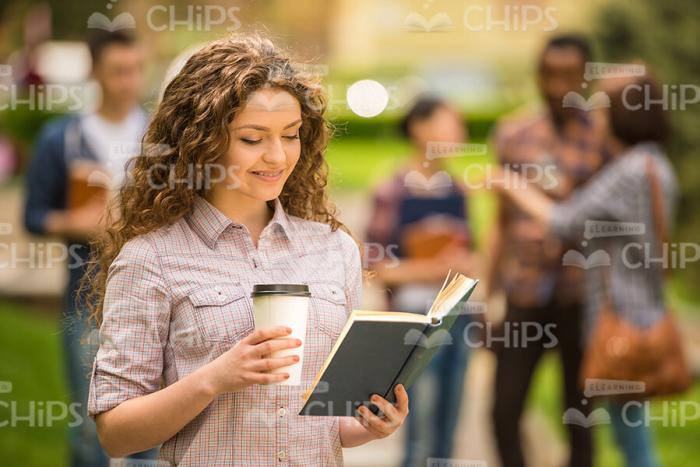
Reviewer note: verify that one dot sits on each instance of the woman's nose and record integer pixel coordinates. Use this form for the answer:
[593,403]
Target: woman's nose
[275,152]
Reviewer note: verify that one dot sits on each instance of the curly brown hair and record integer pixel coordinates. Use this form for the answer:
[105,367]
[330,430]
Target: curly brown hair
[189,130]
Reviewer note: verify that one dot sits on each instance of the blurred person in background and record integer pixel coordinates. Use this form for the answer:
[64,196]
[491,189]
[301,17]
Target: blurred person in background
[420,225]
[97,139]
[621,191]
[558,149]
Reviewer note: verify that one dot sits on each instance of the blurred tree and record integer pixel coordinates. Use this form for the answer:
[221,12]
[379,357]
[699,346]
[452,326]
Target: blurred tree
[665,34]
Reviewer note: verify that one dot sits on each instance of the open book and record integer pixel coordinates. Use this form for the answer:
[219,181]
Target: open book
[377,350]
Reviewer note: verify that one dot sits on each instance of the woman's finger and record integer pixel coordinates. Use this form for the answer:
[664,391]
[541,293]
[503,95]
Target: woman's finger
[273,345]
[361,420]
[263,334]
[401,399]
[375,422]
[267,364]
[386,407]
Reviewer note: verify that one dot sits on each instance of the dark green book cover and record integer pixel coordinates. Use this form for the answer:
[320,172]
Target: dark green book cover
[375,356]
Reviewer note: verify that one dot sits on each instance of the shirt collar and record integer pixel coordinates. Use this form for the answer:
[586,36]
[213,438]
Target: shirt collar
[281,218]
[209,223]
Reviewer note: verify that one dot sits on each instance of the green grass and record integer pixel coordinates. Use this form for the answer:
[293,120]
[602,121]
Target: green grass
[32,361]
[677,446]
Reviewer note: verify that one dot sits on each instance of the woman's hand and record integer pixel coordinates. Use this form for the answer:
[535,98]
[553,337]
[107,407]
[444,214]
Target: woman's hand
[248,362]
[394,414]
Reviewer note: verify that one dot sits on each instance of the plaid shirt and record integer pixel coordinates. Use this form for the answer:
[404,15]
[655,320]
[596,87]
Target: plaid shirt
[531,269]
[179,297]
[384,227]
[621,192]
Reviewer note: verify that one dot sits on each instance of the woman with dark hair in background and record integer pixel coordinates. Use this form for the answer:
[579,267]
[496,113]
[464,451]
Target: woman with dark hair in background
[420,216]
[621,192]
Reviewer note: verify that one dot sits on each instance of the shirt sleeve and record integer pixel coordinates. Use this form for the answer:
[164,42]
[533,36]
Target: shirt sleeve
[353,272]
[45,182]
[134,330]
[605,197]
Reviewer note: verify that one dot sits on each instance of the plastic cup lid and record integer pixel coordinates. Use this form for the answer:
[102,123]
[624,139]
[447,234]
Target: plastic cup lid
[297,290]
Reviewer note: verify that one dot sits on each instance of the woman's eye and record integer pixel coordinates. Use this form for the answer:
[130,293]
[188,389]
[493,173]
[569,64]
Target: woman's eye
[250,141]
[292,137]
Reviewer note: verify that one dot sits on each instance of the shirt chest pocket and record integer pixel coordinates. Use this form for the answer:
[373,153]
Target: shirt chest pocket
[223,312]
[328,308]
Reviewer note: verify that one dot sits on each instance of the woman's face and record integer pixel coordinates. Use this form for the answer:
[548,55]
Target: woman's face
[444,125]
[265,144]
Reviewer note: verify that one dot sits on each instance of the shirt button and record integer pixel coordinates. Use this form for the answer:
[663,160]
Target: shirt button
[281,455]
[282,412]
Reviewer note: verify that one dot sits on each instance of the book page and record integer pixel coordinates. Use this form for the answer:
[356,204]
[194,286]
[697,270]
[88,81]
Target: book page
[451,295]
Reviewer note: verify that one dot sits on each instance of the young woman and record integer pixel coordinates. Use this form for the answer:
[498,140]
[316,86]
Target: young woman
[621,192]
[232,194]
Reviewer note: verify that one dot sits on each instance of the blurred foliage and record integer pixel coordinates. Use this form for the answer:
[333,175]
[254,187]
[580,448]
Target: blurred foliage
[479,126]
[32,360]
[665,35]
[23,125]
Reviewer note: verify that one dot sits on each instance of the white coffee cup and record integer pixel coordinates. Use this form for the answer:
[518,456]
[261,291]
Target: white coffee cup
[284,305]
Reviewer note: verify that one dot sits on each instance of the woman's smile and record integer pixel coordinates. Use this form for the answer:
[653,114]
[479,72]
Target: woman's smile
[268,175]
